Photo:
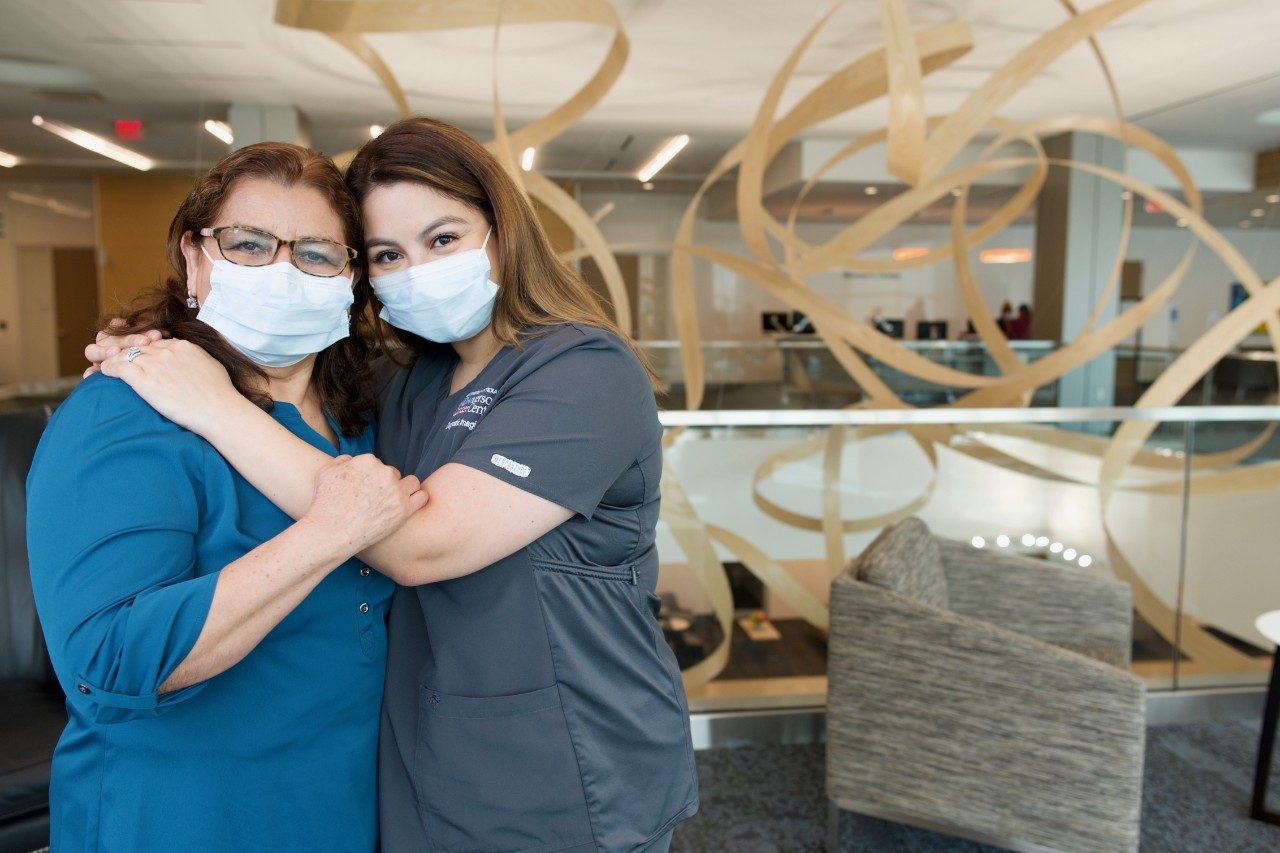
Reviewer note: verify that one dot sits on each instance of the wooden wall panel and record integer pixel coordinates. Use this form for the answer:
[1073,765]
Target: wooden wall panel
[133,214]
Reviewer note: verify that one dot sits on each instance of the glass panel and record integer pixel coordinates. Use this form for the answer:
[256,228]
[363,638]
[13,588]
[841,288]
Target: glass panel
[1230,575]
[757,497]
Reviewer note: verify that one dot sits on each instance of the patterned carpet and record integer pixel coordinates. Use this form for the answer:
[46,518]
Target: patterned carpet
[771,798]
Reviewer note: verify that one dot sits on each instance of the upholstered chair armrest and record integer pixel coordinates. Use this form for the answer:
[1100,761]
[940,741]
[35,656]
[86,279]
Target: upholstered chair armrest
[935,716]
[1065,606]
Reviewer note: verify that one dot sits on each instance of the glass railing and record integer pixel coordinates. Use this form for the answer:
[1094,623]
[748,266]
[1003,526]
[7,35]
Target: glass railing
[762,508]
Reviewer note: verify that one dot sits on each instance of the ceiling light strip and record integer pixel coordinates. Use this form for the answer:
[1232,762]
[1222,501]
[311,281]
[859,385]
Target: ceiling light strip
[673,147]
[7,160]
[96,144]
[221,130]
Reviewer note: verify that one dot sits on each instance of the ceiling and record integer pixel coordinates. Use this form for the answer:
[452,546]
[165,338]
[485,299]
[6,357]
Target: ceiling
[1196,71]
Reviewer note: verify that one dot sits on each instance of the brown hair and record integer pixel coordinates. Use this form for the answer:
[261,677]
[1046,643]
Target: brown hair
[342,377]
[538,289]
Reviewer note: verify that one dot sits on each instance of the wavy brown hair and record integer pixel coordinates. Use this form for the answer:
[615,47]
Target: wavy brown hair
[341,377]
[537,288]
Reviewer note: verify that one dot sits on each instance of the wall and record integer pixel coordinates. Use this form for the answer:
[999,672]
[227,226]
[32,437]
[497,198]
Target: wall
[134,212]
[1204,296]
[24,346]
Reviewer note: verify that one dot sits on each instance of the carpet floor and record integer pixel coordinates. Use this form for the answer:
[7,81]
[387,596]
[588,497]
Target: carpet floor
[1196,792]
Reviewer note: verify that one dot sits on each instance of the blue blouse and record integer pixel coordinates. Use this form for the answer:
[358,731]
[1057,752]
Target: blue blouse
[130,520]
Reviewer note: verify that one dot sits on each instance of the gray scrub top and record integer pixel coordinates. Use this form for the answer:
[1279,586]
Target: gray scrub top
[534,705]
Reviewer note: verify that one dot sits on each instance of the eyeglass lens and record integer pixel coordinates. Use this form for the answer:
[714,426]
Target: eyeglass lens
[251,248]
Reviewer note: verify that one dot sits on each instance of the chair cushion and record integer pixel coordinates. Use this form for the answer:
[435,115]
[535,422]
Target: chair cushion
[905,558]
[31,721]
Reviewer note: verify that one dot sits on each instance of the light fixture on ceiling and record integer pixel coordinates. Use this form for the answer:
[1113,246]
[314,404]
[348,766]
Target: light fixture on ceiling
[647,185]
[673,147]
[51,204]
[7,160]
[1004,256]
[220,129]
[526,159]
[375,130]
[1273,198]
[1256,212]
[96,144]
[871,190]
[906,253]
[602,211]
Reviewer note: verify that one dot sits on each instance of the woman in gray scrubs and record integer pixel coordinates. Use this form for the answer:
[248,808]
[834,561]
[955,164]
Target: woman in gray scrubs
[531,702]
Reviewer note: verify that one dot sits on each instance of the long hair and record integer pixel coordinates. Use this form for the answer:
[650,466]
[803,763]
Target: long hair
[342,377]
[538,289]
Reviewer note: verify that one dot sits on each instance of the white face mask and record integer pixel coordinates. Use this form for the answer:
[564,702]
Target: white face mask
[446,300]
[277,315]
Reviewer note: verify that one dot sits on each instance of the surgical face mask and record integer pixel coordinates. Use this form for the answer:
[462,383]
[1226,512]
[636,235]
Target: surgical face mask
[447,300]
[276,315]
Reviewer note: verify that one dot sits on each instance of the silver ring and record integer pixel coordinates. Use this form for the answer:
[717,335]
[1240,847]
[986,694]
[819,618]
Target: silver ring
[132,353]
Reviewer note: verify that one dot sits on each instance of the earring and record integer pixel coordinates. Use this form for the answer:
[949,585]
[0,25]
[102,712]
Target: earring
[191,301]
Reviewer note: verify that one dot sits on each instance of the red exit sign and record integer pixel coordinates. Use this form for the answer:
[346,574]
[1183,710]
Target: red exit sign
[128,128]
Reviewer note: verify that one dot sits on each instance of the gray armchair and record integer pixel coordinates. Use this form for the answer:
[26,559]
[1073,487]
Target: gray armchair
[984,695]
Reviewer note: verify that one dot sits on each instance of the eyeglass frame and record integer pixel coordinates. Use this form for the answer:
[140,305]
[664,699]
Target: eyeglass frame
[352,254]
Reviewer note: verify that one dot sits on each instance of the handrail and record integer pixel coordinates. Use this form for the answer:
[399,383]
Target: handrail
[944,415]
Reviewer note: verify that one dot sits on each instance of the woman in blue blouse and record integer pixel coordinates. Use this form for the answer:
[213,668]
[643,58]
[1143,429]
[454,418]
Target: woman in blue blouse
[224,663]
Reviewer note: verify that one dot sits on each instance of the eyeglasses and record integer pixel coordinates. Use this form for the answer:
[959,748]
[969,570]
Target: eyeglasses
[251,248]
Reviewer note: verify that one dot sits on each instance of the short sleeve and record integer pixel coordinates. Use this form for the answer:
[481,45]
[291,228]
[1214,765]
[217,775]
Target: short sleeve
[112,513]
[567,429]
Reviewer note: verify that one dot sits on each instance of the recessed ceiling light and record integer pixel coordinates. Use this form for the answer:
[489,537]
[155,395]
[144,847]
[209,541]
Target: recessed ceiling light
[1004,256]
[647,185]
[1273,198]
[93,143]
[526,159]
[7,160]
[1256,212]
[375,130]
[871,190]
[220,129]
[664,156]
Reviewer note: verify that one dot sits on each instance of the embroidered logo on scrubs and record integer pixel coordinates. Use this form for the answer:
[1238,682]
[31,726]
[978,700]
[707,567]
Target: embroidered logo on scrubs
[510,465]
[471,409]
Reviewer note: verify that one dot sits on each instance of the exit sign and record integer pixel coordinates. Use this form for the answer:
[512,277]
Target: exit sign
[128,128]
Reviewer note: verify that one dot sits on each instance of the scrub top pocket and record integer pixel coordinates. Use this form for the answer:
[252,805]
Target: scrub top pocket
[619,685]
[498,773]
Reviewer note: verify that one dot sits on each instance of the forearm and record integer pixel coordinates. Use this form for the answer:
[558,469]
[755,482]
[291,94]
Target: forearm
[473,521]
[255,593]
[275,461]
